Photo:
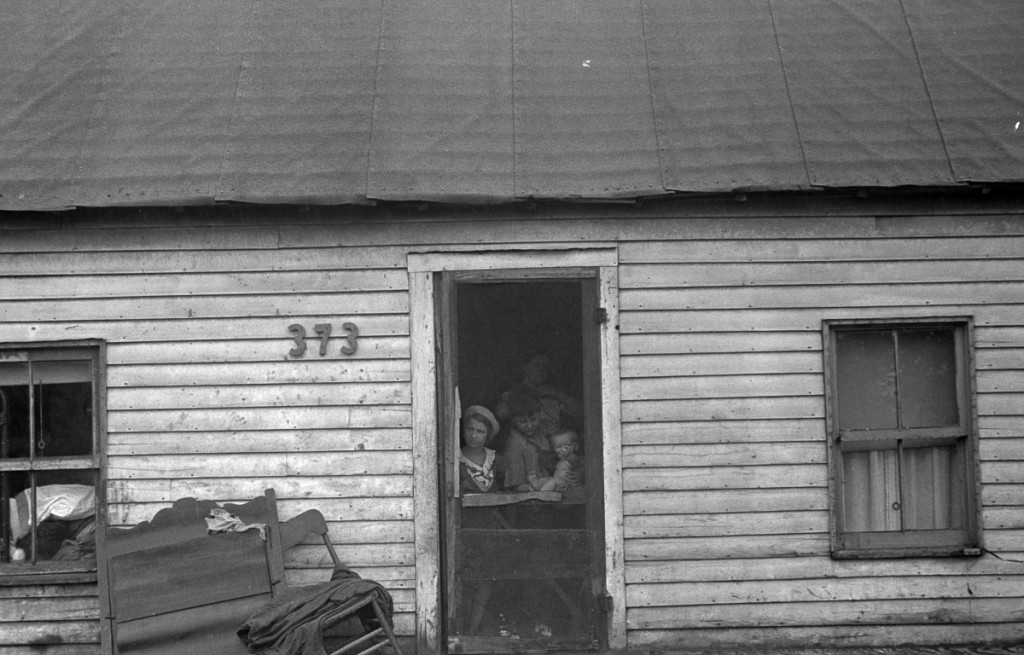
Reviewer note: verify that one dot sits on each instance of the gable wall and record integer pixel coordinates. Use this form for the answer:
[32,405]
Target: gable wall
[724,476]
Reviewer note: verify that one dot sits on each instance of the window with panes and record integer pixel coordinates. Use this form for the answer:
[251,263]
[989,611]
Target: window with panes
[50,457]
[901,438]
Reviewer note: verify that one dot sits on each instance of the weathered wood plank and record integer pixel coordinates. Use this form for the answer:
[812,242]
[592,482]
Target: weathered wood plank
[1000,404]
[14,610]
[273,352]
[722,386]
[1000,427]
[725,500]
[200,261]
[1007,381]
[369,532]
[193,237]
[661,526]
[405,626]
[297,418]
[800,219]
[543,230]
[1004,518]
[705,432]
[290,371]
[50,632]
[209,340]
[151,490]
[814,567]
[259,395]
[269,441]
[392,576]
[356,555]
[206,307]
[1009,450]
[887,612]
[813,591]
[721,547]
[771,363]
[824,250]
[52,649]
[1004,337]
[757,318]
[759,274]
[718,342]
[48,591]
[1002,494]
[797,639]
[334,509]
[190,284]
[724,409]
[896,296]
[998,358]
[260,465]
[724,477]
[511,259]
[724,454]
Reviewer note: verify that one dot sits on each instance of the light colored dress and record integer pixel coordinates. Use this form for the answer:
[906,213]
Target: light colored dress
[480,475]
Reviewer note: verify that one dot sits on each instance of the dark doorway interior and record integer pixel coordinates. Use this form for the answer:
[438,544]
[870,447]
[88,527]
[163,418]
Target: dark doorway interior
[524,570]
[501,325]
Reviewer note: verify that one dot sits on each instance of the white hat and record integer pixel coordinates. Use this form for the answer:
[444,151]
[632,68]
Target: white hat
[486,415]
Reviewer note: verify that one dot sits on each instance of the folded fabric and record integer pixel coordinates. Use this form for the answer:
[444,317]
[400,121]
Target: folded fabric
[221,520]
[66,502]
[290,624]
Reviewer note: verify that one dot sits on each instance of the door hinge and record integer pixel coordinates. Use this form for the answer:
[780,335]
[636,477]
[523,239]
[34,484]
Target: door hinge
[600,315]
[605,602]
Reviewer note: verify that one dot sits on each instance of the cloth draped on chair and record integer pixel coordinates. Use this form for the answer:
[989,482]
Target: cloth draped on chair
[290,625]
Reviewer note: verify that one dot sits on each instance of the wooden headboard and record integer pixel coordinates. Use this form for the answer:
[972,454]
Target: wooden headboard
[167,587]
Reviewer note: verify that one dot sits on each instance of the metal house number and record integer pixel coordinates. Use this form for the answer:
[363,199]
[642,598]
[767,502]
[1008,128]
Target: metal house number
[323,331]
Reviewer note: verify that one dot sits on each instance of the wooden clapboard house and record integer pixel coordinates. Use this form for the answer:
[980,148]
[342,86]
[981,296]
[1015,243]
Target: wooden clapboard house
[774,249]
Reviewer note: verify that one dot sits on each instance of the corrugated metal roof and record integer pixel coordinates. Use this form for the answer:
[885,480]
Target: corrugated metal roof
[442,117]
[114,102]
[720,96]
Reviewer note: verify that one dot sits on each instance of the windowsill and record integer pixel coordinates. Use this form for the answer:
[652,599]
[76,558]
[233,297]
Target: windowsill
[16,575]
[509,498]
[904,553]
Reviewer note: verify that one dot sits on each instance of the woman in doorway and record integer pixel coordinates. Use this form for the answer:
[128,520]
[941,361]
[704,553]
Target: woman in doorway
[557,407]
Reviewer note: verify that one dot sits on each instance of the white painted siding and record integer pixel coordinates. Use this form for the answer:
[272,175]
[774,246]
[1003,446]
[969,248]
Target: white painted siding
[724,475]
[724,452]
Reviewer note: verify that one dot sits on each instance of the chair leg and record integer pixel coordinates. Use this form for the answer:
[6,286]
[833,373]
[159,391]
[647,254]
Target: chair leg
[386,625]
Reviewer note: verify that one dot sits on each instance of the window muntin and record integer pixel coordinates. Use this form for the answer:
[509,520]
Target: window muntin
[901,446]
[49,458]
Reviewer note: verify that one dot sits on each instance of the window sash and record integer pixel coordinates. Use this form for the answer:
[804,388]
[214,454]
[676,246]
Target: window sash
[904,537]
[38,357]
[904,488]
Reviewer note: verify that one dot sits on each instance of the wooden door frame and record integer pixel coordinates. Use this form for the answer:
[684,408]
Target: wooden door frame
[423,267]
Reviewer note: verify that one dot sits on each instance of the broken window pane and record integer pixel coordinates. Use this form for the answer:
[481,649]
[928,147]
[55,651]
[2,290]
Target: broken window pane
[48,485]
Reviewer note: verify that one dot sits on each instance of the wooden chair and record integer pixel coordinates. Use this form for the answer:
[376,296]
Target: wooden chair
[375,630]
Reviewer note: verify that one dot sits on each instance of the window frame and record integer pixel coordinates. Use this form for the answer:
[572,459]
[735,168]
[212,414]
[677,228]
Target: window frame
[965,541]
[66,572]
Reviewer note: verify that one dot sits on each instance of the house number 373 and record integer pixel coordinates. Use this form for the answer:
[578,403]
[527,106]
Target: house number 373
[323,331]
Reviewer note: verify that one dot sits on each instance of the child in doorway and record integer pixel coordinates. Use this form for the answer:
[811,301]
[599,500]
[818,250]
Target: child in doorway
[569,470]
[480,468]
[528,454]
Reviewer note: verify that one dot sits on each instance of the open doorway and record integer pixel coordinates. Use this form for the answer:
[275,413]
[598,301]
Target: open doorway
[523,543]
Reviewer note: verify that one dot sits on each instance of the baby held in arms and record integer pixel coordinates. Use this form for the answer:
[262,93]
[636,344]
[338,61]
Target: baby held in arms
[568,472]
